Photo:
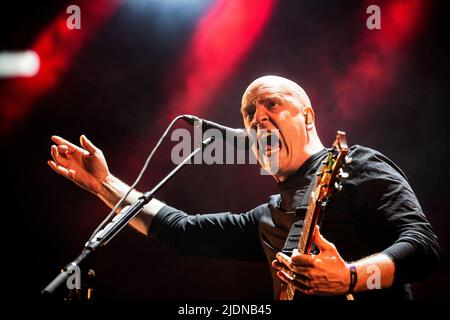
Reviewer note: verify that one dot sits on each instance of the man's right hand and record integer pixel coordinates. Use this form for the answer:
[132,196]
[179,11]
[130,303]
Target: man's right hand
[85,165]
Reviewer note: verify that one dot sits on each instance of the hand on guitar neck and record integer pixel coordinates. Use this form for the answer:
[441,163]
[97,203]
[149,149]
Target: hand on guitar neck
[323,274]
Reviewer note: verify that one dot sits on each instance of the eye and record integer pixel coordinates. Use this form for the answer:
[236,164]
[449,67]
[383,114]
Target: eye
[250,113]
[270,104]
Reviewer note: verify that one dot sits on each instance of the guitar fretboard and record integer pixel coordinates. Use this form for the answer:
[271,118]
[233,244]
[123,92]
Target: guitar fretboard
[302,244]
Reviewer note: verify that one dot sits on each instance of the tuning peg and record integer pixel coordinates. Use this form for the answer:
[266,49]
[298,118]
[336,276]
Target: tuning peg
[338,186]
[348,159]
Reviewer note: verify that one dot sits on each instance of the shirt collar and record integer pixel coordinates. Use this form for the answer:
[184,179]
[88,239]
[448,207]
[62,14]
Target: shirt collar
[298,178]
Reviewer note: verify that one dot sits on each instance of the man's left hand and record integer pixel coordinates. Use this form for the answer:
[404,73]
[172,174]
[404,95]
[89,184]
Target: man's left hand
[323,274]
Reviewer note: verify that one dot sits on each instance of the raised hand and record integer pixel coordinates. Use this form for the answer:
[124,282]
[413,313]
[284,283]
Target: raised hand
[85,165]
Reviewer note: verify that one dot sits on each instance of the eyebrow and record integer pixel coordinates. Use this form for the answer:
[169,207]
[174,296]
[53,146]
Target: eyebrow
[265,98]
[274,98]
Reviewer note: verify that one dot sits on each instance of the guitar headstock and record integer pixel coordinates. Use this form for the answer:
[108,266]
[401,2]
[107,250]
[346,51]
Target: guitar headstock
[332,171]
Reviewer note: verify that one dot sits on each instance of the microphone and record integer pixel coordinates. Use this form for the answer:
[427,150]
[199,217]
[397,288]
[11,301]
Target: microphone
[239,136]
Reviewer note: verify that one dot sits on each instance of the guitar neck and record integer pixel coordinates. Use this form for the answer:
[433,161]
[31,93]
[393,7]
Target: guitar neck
[327,182]
[310,222]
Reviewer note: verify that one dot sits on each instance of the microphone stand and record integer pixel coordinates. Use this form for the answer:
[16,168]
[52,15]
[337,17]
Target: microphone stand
[116,225]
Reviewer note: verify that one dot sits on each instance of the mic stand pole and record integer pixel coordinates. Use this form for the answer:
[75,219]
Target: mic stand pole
[113,228]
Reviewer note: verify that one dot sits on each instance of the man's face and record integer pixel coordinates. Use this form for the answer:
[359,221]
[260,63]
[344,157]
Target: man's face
[273,115]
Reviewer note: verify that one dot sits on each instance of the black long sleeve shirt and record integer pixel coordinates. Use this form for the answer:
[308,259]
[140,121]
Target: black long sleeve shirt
[376,211]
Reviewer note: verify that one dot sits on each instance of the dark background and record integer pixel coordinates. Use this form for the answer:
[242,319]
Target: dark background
[120,87]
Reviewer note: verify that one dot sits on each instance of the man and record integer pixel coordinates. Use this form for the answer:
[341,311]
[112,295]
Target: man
[380,238]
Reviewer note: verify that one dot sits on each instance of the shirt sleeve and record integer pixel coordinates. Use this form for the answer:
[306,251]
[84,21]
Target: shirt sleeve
[217,235]
[386,202]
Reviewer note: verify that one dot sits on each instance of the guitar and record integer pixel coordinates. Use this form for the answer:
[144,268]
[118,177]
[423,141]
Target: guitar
[327,183]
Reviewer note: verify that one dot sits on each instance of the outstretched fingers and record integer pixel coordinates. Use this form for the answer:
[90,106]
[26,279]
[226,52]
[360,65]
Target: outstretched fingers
[59,155]
[87,144]
[61,141]
[60,169]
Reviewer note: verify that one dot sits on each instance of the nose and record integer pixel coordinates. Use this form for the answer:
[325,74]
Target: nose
[260,117]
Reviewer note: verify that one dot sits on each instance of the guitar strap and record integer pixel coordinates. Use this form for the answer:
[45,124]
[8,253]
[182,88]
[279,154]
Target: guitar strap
[293,237]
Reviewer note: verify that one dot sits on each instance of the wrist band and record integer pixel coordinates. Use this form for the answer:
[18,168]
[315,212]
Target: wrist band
[353,278]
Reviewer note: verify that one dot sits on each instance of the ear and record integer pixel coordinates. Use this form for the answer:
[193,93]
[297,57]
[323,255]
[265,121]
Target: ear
[308,114]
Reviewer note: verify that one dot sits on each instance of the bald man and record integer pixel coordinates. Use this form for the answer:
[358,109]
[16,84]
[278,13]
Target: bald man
[374,241]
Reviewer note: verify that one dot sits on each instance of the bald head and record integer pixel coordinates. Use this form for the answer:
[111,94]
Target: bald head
[281,88]
[280,106]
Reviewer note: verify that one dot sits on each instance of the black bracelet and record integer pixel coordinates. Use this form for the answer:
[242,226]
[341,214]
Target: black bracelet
[353,278]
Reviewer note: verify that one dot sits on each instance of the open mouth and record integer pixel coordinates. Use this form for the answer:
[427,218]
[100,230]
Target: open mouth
[269,143]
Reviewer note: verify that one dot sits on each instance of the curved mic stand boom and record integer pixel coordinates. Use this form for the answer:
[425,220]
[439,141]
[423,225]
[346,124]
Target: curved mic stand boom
[103,236]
